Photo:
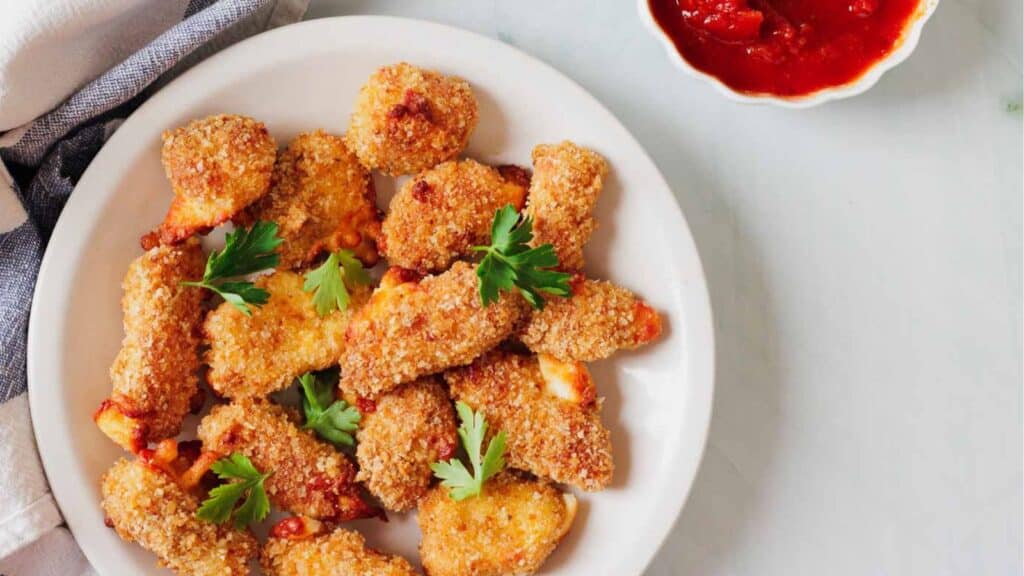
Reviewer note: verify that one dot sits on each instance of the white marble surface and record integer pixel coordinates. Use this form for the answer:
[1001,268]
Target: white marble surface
[864,261]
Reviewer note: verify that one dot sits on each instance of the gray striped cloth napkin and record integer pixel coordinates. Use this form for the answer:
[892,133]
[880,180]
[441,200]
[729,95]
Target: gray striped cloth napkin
[41,163]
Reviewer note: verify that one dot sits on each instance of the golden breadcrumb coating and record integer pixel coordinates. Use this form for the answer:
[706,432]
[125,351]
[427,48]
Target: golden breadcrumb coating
[339,553]
[407,119]
[510,528]
[549,412]
[322,200]
[309,477]
[155,375]
[566,183]
[438,215]
[217,166]
[597,320]
[413,327]
[252,356]
[146,506]
[408,429]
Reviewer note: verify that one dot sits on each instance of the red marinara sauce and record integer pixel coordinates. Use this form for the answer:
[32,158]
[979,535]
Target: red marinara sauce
[784,47]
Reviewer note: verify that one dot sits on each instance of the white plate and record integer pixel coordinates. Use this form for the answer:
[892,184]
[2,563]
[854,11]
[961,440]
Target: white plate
[306,76]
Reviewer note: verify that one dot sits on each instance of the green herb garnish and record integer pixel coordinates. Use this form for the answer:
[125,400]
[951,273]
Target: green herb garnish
[330,278]
[245,251]
[332,419]
[245,481]
[509,262]
[460,482]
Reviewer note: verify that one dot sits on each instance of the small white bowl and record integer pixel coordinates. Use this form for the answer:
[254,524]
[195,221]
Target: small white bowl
[856,86]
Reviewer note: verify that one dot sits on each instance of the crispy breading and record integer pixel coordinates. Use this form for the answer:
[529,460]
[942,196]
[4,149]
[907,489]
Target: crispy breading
[217,166]
[597,320]
[339,553]
[407,119]
[252,356]
[146,506]
[322,200]
[408,429]
[438,215]
[549,412]
[155,375]
[413,327]
[510,528]
[309,477]
[566,183]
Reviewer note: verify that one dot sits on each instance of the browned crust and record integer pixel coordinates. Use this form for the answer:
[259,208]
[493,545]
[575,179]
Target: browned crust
[546,435]
[511,528]
[410,428]
[407,119]
[322,200]
[341,552]
[155,374]
[438,215]
[252,356]
[566,183]
[145,505]
[309,477]
[599,319]
[411,328]
[217,166]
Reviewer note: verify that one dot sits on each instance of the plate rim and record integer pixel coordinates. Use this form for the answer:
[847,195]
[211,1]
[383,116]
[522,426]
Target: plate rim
[701,366]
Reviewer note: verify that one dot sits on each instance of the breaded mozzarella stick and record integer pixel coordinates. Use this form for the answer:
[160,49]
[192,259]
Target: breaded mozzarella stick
[440,214]
[252,356]
[510,528]
[549,412]
[217,166]
[599,319]
[413,327]
[566,183]
[322,200]
[309,477]
[303,547]
[409,428]
[145,505]
[155,375]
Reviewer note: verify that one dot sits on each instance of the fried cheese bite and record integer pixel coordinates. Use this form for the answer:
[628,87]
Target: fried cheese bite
[407,119]
[145,505]
[252,356]
[217,166]
[599,319]
[510,528]
[303,547]
[322,200]
[309,477]
[155,375]
[441,213]
[409,429]
[566,183]
[412,327]
[549,412]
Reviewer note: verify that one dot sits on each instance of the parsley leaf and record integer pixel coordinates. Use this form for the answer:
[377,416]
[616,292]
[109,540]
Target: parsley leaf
[509,262]
[453,473]
[333,420]
[330,278]
[220,505]
[245,251]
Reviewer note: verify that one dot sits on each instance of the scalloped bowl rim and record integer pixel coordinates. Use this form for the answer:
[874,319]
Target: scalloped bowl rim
[859,85]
